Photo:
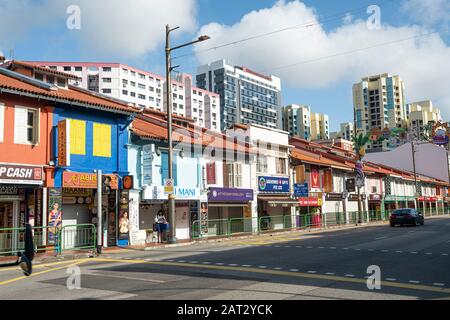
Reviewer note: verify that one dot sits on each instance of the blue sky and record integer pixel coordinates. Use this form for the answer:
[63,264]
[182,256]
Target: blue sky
[41,34]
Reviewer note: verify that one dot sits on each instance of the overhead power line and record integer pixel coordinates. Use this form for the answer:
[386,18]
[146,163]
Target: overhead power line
[354,51]
[336,16]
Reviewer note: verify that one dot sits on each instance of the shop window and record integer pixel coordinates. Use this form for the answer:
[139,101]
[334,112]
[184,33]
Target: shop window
[211,173]
[261,165]
[78,137]
[281,165]
[26,126]
[102,140]
[234,175]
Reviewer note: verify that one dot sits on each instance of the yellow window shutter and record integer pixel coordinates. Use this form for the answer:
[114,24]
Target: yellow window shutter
[102,140]
[78,137]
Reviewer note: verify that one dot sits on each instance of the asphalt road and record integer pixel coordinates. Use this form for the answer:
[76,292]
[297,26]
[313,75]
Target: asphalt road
[414,263]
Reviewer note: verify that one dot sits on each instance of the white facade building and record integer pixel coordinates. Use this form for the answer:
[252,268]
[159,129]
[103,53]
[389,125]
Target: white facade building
[144,89]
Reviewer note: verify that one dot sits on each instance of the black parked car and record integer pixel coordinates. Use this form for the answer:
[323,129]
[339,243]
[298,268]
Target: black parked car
[406,216]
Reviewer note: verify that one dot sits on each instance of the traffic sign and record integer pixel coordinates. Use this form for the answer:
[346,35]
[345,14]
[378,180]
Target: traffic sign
[169,186]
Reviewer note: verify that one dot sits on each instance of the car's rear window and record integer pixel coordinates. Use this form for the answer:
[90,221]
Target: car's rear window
[402,212]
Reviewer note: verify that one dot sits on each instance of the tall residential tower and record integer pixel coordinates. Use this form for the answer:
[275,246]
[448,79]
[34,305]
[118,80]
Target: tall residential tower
[379,102]
[246,97]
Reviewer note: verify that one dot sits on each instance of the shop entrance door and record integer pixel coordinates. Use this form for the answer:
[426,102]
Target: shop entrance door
[8,238]
[74,215]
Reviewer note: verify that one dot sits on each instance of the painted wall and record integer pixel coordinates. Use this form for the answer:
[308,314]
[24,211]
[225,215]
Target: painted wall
[38,154]
[116,163]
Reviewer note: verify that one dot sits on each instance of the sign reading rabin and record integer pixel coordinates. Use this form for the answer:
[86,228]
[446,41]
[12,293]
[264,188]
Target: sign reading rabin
[230,195]
[17,174]
[273,184]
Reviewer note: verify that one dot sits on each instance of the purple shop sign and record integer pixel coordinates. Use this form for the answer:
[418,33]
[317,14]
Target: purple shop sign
[228,194]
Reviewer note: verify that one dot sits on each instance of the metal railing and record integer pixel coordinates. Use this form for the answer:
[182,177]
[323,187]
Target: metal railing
[76,237]
[243,226]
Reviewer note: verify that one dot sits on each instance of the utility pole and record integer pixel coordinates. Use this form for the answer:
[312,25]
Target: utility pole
[169,68]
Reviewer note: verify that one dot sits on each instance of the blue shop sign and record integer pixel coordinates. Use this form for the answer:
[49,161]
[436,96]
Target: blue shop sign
[301,190]
[273,184]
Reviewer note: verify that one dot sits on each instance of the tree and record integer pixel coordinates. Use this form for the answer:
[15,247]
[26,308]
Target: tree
[359,144]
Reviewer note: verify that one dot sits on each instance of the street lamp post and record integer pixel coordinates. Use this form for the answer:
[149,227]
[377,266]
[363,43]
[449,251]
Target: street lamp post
[169,68]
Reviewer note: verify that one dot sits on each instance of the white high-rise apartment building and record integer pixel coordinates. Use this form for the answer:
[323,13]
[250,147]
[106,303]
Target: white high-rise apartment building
[320,129]
[420,114]
[346,132]
[379,102]
[144,89]
[299,121]
[246,96]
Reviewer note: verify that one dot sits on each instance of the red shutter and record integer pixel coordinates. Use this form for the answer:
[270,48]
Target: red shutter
[211,173]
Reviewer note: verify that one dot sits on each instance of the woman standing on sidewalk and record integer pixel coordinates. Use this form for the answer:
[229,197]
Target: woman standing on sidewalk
[160,222]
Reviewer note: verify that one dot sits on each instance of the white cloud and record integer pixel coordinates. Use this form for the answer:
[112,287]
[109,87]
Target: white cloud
[108,27]
[420,62]
[428,12]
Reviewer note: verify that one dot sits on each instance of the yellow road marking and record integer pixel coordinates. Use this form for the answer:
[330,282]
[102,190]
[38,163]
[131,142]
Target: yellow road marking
[38,266]
[42,272]
[281,273]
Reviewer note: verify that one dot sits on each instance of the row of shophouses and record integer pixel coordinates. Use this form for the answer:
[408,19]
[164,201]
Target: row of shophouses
[54,138]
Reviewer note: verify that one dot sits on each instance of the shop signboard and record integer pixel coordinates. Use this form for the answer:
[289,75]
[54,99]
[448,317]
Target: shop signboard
[354,197]
[301,190]
[273,184]
[315,179]
[230,195]
[64,143]
[431,199]
[86,180]
[310,202]
[350,185]
[19,174]
[327,181]
[55,214]
[334,197]
[360,177]
[375,197]
[124,220]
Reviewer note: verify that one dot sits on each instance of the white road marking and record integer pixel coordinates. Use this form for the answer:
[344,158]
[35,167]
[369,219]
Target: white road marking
[330,273]
[333,248]
[444,254]
[413,281]
[350,275]
[247,265]
[287,246]
[298,246]
[357,249]
[391,279]
[438,284]
[381,238]
[181,261]
[321,248]
[312,271]
[293,270]
[414,252]
[309,247]
[206,262]
[278,268]
[127,278]
[428,253]
[345,249]
[262,267]
[194,262]
[220,263]
[232,264]
[384,250]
